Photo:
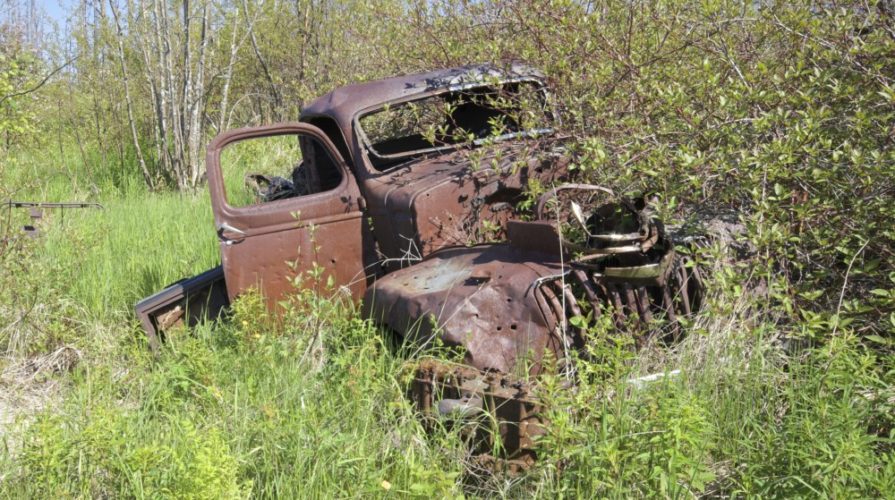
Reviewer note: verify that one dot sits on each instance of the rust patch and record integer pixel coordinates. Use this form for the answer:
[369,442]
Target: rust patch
[600,256]
[436,243]
[503,421]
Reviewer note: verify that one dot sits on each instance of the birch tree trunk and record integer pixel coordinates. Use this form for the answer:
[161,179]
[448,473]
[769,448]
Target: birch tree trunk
[195,131]
[275,92]
[188,66]
[175,47]
[127,97]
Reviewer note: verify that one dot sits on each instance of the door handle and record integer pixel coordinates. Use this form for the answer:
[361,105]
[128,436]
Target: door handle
[224,227]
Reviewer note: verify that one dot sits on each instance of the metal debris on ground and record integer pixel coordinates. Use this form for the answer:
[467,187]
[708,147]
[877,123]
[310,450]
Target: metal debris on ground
[37,208]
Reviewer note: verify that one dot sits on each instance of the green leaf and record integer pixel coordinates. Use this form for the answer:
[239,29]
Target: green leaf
[578,321]
[879,340]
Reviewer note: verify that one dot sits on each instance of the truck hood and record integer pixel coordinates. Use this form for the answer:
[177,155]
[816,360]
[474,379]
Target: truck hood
[484,299]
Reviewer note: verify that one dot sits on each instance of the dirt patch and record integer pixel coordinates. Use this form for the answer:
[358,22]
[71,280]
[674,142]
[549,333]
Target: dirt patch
[30,385]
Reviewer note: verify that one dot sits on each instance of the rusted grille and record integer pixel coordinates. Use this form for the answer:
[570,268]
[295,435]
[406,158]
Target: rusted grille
[636,294]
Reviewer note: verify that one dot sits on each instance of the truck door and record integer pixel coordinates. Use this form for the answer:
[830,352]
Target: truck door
[288,212]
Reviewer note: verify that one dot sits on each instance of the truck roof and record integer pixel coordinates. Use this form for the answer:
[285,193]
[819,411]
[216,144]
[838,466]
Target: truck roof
[343,103]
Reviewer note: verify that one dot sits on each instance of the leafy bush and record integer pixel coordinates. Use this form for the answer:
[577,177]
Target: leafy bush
[779,111]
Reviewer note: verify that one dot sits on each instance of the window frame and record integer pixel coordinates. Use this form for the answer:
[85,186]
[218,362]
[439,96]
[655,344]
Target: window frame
[369,150]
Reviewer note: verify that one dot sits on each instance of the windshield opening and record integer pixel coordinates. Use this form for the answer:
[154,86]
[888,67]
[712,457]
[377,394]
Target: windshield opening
[466,117]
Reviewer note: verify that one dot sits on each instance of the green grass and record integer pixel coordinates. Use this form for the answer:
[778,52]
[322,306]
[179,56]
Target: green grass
[314,406]
[780,111]
[108,259]
[220,417]
[134,246]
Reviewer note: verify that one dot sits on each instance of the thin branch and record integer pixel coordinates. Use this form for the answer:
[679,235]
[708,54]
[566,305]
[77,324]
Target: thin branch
[845,284]
[39,85]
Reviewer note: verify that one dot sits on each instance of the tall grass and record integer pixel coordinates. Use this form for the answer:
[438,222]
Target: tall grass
[229,411]
[313,405]
[255,407]
[110,258]
[138,242]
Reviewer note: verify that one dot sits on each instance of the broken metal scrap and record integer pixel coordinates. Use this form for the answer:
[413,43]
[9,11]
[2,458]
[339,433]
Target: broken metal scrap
[51,204]
[37,207]
[441,245]
[589,254]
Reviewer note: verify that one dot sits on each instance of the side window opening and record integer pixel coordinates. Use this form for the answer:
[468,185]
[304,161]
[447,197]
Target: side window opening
[320,163]
[271,168]
[332,130]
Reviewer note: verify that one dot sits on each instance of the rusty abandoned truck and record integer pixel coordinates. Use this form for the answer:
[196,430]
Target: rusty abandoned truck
[413,195]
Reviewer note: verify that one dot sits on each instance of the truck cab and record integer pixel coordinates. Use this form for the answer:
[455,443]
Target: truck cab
[413,193]
[384,174]
[442,201]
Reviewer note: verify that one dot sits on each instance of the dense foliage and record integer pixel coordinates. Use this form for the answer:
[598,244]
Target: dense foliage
[781,112]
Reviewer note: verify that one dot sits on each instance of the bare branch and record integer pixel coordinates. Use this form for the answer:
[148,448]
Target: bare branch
[39,85]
